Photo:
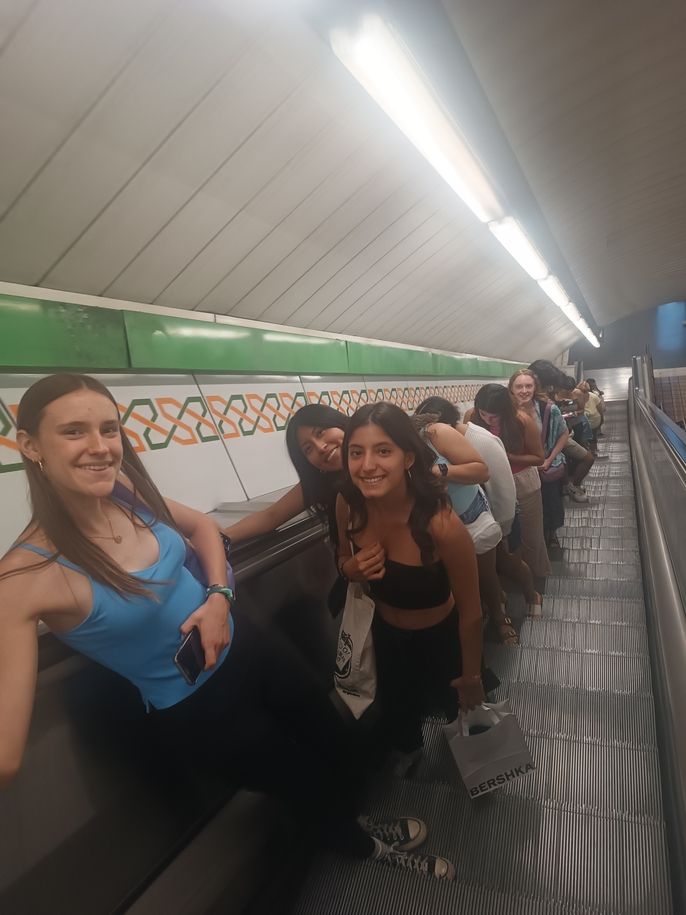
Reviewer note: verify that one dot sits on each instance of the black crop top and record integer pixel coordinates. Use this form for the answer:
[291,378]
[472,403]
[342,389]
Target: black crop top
[412,587]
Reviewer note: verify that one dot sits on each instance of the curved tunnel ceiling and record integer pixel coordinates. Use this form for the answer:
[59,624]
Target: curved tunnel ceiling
[198,155]
[592,98]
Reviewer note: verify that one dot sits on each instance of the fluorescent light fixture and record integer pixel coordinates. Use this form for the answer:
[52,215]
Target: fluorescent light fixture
[572,312]
[588,333]
[511,236]
[382,63]
[554,290]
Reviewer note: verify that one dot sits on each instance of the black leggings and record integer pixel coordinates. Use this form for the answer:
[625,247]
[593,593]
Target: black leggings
[414,668]
[264,721]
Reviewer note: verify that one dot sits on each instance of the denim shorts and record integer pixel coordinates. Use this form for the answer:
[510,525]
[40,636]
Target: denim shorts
[478,506]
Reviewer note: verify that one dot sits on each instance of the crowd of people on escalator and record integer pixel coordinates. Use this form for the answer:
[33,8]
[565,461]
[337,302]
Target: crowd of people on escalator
[433,512]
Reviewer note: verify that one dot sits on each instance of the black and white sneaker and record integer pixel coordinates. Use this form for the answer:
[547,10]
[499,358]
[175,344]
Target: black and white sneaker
[428,865]
[403,833]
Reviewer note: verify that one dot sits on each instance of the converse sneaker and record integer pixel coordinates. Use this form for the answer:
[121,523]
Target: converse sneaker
[401,764]
[577,493]
[403,833]
[428,865]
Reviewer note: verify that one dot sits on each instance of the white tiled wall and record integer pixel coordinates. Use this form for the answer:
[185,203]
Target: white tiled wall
[211,439]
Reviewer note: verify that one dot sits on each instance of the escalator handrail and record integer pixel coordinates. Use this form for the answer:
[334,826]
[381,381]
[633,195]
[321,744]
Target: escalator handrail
[672,436]
[666,624]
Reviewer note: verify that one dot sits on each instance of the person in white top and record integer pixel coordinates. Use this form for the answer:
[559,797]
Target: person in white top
[500,491]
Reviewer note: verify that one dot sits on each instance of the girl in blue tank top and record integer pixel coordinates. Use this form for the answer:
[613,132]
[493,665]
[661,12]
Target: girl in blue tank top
[102,564]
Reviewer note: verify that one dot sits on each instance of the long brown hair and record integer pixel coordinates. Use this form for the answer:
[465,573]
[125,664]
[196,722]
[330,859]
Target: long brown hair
[429,491]
[50,513]
[496,398]
[319,489]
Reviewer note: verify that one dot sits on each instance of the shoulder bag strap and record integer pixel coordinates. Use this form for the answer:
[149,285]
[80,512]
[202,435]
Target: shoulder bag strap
[546,422]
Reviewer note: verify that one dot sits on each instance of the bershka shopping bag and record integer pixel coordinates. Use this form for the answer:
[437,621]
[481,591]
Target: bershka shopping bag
[491,758]
[355,674]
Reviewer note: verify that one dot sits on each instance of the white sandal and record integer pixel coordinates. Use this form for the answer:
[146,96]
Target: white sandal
[535,611]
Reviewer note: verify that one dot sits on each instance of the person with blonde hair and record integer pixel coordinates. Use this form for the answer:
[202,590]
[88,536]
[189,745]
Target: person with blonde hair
[527,397]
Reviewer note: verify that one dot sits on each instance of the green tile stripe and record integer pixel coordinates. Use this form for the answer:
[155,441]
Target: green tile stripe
[39,334]
[163,343]
[36,334]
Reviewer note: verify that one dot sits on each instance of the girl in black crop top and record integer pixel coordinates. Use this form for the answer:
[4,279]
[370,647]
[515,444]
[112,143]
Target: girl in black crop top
[398,532]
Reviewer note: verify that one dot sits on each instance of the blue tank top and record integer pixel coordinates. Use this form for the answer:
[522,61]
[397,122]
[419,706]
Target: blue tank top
[461,494]
[138,636]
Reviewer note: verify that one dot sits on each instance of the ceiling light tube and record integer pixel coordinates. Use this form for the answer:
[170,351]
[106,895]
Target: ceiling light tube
[382,63]
[554,290]
[572,312]
[511,236]
[588,333]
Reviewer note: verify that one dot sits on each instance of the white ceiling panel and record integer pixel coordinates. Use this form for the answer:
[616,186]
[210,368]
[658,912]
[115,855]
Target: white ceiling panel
[376,201]
[12,16]
[215,156]
[56,61]
[158,90]
[279,213]
[207,236]
[312,229]
[193,153]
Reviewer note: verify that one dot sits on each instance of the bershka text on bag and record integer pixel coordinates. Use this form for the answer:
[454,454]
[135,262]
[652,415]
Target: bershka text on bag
[491,783]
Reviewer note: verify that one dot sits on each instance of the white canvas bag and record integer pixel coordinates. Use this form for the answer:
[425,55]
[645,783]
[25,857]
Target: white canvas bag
[494,757]
[355,673]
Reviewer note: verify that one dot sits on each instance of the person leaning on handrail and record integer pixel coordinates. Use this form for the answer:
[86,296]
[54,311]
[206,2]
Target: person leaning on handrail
[102,564]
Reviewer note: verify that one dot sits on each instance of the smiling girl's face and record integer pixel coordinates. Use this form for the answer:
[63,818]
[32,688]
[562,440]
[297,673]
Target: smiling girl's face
[78,443]
[376,464]
[322,447]
[523,388]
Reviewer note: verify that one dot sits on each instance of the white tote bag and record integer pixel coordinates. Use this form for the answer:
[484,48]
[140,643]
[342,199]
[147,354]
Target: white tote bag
[493,757]
[355,674]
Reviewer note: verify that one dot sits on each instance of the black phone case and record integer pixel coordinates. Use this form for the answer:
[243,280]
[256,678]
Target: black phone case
[190,658]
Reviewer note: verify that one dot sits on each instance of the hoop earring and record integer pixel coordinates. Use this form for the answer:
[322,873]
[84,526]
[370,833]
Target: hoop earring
[41,465]
[409,475]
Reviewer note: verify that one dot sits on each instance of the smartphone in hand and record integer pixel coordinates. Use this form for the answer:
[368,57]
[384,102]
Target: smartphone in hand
[190,658]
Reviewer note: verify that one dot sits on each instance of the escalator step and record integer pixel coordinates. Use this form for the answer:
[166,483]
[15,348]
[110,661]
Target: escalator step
[584,834]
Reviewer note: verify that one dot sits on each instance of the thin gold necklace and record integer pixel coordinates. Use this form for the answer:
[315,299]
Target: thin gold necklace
[116,537]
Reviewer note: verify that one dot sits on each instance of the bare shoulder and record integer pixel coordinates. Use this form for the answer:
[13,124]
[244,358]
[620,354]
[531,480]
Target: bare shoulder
[445,523]
[29,590]
[437,431]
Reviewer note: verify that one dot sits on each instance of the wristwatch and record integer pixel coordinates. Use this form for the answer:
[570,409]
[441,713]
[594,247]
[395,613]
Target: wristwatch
[221,589]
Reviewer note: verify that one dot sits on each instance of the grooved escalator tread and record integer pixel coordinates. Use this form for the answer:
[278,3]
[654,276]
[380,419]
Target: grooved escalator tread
[584,834]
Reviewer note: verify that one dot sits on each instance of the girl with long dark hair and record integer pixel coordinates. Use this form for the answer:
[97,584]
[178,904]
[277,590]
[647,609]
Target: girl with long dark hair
[314,436]
[102,564]
[427,625]
[444,428]
[494,410]
[502,497]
